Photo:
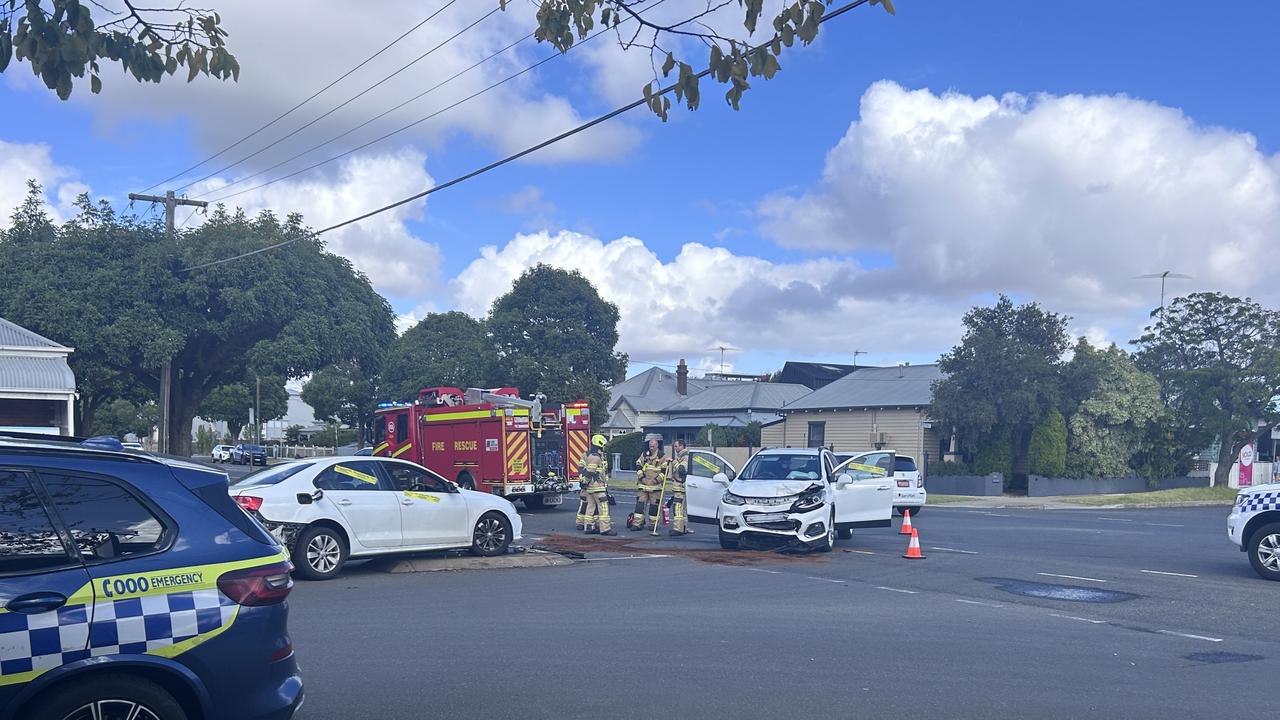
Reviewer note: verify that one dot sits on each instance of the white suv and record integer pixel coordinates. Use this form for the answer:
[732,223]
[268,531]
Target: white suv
[1254,527]
[221,453]
[795,496]
[909,492]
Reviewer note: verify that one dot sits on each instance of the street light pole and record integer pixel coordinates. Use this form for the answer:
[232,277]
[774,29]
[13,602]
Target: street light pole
[257,408]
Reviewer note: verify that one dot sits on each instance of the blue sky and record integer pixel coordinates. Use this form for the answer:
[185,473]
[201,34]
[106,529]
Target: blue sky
[806,267]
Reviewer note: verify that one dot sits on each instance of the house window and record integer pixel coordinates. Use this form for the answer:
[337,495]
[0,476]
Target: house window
[817,434]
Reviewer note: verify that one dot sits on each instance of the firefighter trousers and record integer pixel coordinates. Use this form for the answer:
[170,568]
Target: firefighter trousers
[679,511]
[581,520]
[647,498]
[598,510]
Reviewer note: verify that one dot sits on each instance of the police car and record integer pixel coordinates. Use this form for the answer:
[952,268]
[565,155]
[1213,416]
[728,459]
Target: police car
[1254,527]
[133,587]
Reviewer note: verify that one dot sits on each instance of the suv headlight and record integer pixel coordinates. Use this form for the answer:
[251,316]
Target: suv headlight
[730,499]
[809,502]
[1241,499]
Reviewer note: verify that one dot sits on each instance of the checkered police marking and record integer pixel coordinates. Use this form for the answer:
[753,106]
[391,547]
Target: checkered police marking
[1261,501]
[163,612]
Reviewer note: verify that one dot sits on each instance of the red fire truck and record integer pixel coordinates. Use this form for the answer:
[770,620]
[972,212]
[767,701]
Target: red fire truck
[490,440]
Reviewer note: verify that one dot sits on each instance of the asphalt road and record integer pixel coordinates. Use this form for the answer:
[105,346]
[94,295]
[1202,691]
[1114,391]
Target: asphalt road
[1140,613]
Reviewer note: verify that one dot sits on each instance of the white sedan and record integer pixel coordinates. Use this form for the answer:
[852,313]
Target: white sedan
[327,510]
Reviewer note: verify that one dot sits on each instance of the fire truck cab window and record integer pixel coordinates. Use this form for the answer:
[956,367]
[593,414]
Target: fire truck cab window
[402,427]
[379,430]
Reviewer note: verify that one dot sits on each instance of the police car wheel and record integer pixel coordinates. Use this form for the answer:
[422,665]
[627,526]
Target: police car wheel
[1264,551]
[319,553]
[492,535]
[109,697]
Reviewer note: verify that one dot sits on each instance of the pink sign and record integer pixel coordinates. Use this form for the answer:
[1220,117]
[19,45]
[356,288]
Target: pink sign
[1246,465]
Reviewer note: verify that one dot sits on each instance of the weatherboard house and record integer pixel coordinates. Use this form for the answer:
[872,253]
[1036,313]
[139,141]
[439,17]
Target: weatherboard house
[37,387]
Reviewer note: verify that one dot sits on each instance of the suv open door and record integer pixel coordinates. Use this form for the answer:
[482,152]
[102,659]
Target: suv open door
[864,491]
[702,492]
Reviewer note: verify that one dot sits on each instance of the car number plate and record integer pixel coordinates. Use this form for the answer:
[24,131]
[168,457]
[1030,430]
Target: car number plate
[904,483]
[553,499]
[766,517]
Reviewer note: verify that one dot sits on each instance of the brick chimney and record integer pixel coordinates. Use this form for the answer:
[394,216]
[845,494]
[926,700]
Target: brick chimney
[682,378]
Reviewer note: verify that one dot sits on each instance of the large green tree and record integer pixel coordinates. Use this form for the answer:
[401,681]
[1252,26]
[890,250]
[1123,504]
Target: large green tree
[1113,406]
[119,291]
[345,394]
[64,39]
[121,417]
[1002,378]
[1217,358]
[231,403]
[444,349]
[554,334]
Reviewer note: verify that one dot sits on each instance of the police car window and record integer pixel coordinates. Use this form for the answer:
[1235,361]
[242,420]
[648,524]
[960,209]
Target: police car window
[105,520]
[407,477]
[28,540]
[361,475]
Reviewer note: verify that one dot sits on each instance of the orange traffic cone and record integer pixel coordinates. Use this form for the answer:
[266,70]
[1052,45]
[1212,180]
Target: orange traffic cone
[906,522]
[913,549]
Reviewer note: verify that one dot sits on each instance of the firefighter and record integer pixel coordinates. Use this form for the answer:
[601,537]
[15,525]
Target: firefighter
[675,489]
[594,470]
[651,470]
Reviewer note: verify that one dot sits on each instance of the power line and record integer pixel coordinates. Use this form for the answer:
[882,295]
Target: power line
[313,96]
[419,121]
[499,163]
[351,99]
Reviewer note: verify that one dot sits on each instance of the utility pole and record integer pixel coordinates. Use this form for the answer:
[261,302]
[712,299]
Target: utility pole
[171,203]
[257,409]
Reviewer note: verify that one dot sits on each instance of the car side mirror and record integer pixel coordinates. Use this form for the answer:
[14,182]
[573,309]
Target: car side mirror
[453,486]
[308,498]
[844,479]
[720,479]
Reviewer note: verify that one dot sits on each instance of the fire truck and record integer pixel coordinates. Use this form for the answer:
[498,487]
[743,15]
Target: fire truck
[490,440]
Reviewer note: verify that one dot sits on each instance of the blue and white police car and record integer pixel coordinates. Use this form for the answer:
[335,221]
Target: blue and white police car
[1254,527]
[133,587]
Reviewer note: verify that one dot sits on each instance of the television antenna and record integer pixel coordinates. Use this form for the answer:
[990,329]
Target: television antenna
[1166,275]
[723,349]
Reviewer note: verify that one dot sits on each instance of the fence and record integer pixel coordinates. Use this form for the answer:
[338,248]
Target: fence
[980,485]
[1038,486]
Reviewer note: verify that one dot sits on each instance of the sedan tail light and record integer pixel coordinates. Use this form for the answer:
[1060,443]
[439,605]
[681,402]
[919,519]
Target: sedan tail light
[266,585]
[249,502]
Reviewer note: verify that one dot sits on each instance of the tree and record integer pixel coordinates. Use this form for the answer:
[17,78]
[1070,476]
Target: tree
[1114,407]
[231,403]
[713,435]
[122,417]
[60,39]
[443,350]
[749,434]
[628,447]
[731,59]
[1217,358]
[293,435]
[119,290]
[554,334]
[1047,454]
[345,394]
[1002,378]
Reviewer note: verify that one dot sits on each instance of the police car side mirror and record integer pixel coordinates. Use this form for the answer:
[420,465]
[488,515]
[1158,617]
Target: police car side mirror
[720,479]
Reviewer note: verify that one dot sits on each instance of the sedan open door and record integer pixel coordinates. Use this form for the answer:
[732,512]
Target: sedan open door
[864,491]
[702,492]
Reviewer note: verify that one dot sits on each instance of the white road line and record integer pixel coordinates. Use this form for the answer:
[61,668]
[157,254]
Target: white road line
[771,572]
[1188,635]
[1173,574]
[978,602]
[962,552]
[897,590]
[1116,519]
[1073,617]
[625,557]
[861,552]
[995,514]
[1164,525]
[830,580]
[1072,577]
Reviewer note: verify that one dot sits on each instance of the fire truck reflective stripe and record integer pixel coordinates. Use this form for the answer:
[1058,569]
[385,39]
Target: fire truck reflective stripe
[577,447]
[517,453]
[401,450]
[362,477]
[469,415]
[380,448]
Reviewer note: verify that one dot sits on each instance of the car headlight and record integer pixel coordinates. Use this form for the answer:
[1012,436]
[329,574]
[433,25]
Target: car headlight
[809,502]
[1241,499]
[730,499]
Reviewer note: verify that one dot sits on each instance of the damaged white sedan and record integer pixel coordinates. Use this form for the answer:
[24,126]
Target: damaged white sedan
[793,496]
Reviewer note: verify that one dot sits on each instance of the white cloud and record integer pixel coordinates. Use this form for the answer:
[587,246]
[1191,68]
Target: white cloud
[1059,199]
[398,263]
[21,162]
[708,296]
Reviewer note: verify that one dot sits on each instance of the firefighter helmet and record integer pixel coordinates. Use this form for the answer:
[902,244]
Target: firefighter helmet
[598,440]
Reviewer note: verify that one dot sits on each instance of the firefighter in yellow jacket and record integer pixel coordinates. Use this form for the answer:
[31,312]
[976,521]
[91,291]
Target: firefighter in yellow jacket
[651,470]
[594,471]
[675,489]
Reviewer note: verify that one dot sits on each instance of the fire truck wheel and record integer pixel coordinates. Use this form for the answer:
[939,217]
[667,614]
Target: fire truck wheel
[466,482]
[492,535]
[533,502]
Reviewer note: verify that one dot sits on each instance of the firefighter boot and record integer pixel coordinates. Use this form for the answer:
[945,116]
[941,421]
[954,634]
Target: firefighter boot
[602,507]
[635,521]
[581,521]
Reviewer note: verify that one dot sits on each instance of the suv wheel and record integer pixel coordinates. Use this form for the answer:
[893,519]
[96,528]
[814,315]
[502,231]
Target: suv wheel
[319,553]
[829,542]
[728,541]
[109,696]
[1264,551]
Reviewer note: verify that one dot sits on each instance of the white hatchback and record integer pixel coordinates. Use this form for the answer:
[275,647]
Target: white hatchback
[327,510]
[908,491]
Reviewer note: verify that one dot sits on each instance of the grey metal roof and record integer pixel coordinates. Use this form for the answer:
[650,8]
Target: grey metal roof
[48,373]
[908,386]
[12,335]
[721,419]
[618,421]
[651,390]
[740,396]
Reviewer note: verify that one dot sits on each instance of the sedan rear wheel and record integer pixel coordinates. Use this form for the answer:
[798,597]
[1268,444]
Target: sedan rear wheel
[319,553]
[492,535]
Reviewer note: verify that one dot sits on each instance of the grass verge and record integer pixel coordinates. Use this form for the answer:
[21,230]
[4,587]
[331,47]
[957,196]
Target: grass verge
[940,499]
[1223,495]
